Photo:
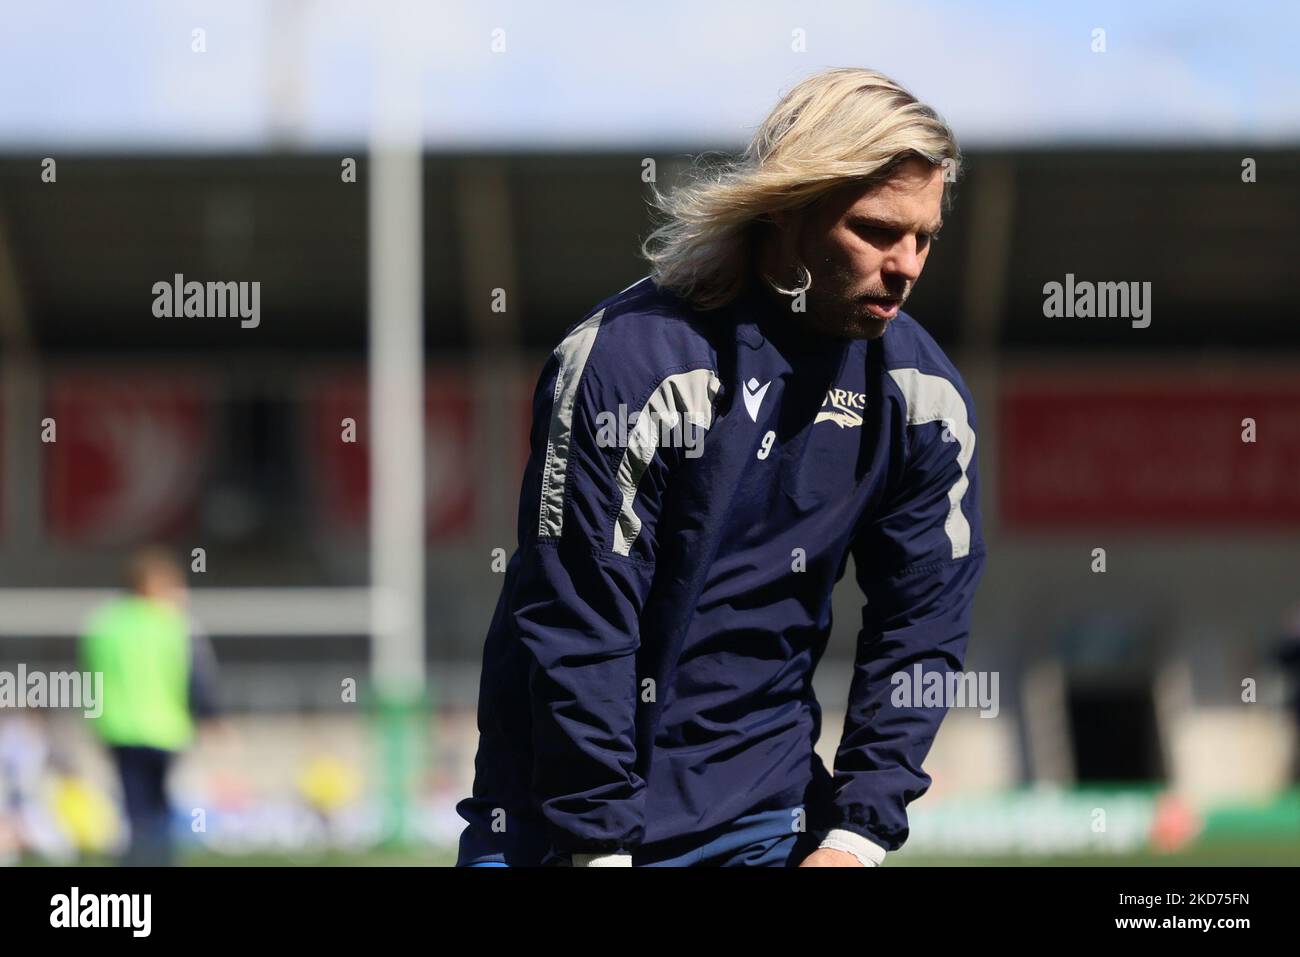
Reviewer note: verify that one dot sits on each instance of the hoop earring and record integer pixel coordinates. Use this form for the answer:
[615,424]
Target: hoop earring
[804,286]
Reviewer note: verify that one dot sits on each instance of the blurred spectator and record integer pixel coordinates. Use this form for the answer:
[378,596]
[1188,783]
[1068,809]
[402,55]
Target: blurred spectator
[157,681]
[25,825]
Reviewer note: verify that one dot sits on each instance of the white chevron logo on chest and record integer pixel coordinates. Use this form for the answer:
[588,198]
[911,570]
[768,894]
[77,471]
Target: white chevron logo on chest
[754,397]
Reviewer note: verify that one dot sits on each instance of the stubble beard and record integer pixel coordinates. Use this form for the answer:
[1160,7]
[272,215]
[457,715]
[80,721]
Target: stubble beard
[836,311]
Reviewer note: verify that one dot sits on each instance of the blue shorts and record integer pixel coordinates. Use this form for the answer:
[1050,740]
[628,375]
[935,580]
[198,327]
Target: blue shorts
[761,839]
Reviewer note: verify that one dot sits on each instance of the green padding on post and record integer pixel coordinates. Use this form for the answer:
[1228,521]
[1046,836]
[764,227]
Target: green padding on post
[402,729]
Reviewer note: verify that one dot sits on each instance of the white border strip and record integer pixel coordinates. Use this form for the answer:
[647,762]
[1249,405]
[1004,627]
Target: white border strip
[681,398]
[572,353]
[932,398]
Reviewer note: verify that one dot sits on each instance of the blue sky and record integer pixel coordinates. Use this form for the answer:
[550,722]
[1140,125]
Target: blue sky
[299,73]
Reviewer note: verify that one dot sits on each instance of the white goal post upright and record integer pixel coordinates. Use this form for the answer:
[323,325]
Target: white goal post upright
[396,420]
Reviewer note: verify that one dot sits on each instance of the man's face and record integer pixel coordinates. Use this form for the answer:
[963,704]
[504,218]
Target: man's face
[866,247]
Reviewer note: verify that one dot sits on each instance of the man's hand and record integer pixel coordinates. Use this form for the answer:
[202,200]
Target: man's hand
[829,857]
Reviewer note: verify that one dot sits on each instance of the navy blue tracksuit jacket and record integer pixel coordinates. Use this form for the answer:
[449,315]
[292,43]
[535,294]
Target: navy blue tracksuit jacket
[696,484]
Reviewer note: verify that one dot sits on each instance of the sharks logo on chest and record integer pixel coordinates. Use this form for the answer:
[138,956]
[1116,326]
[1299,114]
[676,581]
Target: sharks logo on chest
[844,407]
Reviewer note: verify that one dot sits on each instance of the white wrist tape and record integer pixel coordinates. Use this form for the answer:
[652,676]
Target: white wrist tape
[602,860]
[867,852]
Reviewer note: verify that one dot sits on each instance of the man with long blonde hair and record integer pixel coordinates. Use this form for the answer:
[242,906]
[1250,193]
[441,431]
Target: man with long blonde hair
[709,447]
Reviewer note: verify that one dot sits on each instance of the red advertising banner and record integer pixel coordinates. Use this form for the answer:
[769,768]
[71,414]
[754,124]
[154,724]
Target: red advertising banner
[1168,452]
[342,470]
[128,456]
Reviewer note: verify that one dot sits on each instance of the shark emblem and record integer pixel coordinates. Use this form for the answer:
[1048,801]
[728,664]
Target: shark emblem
[841,407]
[841,417]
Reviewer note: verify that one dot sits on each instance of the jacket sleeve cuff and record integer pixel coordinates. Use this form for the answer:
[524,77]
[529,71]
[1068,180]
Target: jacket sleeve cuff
[602,860]
[867,852]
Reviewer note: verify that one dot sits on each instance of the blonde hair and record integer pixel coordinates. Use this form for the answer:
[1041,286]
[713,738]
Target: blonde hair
[836,126]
